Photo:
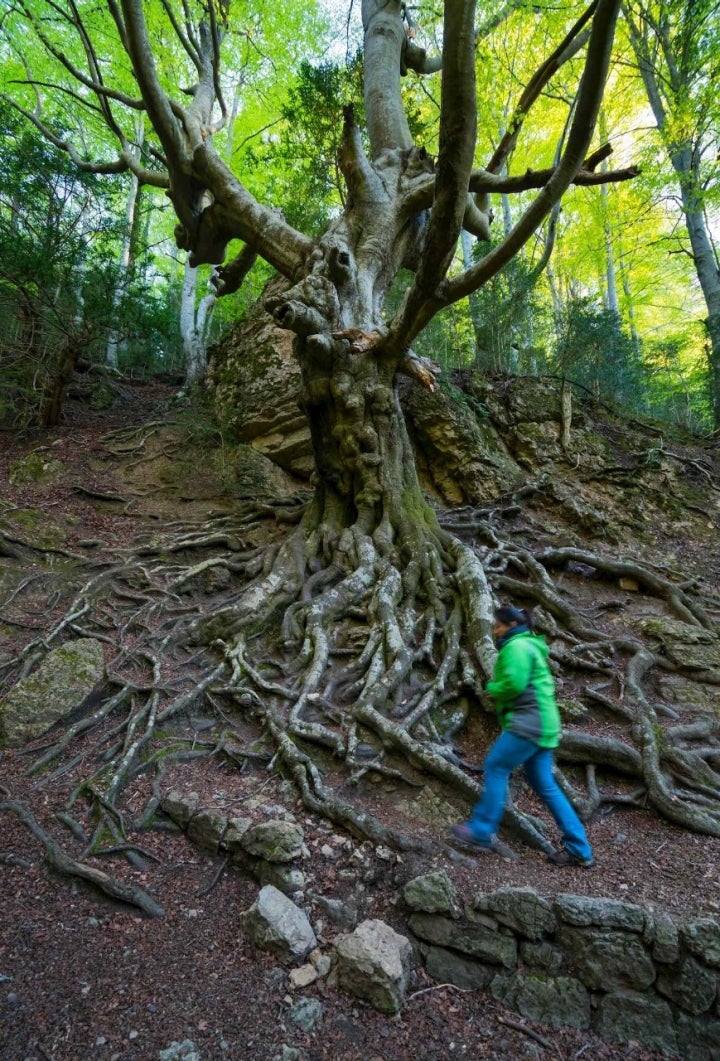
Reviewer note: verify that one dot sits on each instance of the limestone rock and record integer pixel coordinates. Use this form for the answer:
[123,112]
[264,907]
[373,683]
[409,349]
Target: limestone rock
[206,828]
[691,986]
[662,932]
[433,893]
[605,913]
[277,925]
[273,841]
[542,956]
[521,909]
[306,1013]
[61,683]
[476,939]
[525,404]
[607,960]
[447,967]
[555,1000]
[236,829]
[691,646]
[36,467]
[629,1015]
[304,976]
[702,938]
[322,962]
[373,963]
[702,698]
[460,456]
[343,914]
[534,443]
[427,807]
[180,1051]
[257,475]
[699,1037]
[255,381]
[180,807]
[289,881]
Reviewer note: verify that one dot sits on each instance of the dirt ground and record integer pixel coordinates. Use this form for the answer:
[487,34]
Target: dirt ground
[84,977]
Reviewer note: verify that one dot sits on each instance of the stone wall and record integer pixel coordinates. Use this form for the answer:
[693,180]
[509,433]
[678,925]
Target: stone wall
[624,971]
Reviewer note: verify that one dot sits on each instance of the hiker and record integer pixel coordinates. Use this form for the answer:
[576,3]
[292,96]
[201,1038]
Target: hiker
[524,692]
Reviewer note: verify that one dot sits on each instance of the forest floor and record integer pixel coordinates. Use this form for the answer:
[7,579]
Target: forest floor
[82,976]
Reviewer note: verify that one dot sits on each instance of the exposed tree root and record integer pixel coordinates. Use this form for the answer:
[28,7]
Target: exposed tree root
[63,863]
[354,650]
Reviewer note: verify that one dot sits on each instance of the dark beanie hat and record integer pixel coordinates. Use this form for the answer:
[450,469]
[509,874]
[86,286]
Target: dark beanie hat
[510,615]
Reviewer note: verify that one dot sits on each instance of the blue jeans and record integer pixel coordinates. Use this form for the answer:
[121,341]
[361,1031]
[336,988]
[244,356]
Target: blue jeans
[507,753]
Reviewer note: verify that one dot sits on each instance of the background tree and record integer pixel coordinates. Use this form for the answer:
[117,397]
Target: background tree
[676,46]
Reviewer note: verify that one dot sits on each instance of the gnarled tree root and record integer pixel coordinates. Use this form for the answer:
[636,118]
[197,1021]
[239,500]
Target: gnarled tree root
[69,867]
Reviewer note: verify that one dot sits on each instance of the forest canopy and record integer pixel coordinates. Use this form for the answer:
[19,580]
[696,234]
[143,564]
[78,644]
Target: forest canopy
[629,267]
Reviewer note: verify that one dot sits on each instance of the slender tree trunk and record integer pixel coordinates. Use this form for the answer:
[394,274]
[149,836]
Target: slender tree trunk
[557,302]
[59,381]
[115,337]
[466,242]
[194,324]
[612,302]
[684,157]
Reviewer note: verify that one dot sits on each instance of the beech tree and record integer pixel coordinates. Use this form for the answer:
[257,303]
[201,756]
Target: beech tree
[368,573]
[675,46]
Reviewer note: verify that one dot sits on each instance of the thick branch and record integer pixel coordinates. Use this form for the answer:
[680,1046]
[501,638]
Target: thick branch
[384,45]
[229,278]
[458,120]
[416,311]
[158,105]
[416,58]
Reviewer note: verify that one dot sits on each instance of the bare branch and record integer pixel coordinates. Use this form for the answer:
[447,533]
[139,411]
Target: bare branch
[186,39]
[94,83]
[588,104]
[569,47]
[216,32]
[120,165]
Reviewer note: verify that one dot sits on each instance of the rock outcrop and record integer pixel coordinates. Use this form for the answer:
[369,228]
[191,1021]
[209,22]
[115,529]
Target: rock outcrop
[59,685]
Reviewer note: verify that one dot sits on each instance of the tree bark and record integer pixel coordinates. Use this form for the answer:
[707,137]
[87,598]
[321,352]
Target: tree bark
[124,262]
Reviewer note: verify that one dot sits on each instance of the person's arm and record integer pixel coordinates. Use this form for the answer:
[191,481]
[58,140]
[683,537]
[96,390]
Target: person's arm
[512,671]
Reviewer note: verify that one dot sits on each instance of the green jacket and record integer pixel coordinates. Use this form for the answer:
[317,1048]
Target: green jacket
[524,690]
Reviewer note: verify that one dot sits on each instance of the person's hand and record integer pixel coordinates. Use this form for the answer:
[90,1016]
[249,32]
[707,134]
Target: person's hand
[486,701]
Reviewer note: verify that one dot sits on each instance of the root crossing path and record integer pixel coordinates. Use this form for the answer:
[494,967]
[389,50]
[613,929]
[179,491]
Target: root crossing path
[267,637]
